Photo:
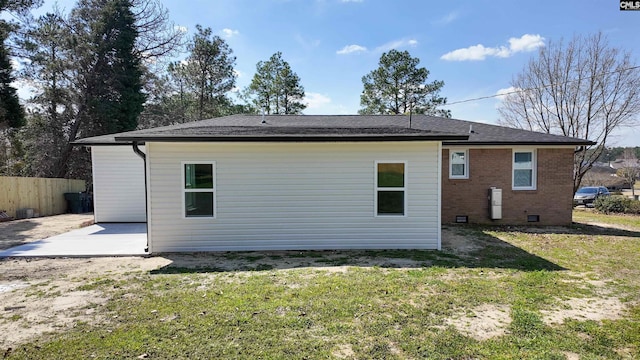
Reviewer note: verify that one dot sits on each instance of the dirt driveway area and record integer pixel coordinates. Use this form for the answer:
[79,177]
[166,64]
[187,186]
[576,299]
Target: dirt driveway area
[18,232]
[26,309]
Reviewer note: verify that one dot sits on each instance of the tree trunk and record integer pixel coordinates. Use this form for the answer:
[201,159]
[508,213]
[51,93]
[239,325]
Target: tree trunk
[63,161]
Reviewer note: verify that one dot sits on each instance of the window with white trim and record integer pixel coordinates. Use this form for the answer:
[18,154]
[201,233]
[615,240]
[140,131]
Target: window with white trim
[524,170]
[198,189]
[391,188]
[458,164]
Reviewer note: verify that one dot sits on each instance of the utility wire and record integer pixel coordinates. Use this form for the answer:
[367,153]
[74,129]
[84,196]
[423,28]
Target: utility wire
[537,88]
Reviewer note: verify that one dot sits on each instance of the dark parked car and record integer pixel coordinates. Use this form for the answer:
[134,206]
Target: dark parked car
[587,195]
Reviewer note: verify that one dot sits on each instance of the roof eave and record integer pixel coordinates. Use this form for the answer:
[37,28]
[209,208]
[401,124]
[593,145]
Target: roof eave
[520,143]
[363,138]
[101,143]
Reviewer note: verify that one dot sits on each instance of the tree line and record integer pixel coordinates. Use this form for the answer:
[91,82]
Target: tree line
[106,67]
[615,153]
[109,66]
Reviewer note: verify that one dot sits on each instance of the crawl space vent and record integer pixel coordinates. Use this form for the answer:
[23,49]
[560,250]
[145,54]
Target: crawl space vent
[533,218]
[462,219]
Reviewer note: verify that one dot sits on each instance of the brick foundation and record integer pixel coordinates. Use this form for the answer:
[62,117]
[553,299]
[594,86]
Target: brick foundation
[552,200]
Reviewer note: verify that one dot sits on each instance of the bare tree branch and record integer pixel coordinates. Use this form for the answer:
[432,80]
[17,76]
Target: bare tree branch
[157,35]
[584,89]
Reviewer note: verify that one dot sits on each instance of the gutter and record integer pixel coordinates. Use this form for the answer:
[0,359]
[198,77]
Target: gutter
[517,143]
[143,156]
[580,149]
[284,138]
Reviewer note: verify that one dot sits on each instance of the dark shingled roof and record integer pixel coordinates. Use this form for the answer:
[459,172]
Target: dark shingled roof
[337,128]
[485,134]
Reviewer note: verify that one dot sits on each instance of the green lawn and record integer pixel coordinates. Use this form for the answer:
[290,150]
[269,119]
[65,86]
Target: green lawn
[488,295]
[583,215]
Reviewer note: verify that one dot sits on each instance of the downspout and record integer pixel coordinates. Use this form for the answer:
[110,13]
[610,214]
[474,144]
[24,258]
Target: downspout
[142,155]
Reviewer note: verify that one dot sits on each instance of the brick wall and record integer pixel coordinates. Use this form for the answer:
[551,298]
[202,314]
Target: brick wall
[552,200]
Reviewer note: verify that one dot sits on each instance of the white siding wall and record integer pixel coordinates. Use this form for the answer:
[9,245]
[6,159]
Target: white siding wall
[118,184]
[293,196]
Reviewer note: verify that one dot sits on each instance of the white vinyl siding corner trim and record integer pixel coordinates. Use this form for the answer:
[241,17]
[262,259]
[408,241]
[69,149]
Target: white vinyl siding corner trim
[378,188]
[185,190]
[459,157]
[524,166]
[439,186]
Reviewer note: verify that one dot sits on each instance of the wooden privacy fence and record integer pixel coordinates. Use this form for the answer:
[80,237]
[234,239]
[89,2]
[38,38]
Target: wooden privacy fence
[44,195]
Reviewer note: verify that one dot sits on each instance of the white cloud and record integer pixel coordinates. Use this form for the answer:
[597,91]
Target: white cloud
[348,49]
[397,44]
[447,19]
[226,32]
[238,73]
[503,93]
[182,29]
[307,43]
[525,43]
[316,100]
[475,52]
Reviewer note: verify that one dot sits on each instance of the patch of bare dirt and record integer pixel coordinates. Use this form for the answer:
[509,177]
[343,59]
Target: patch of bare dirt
[603,307]
[460,244]
[484,322]
[625,353]
[487,321]
[44,295]
[18,232]
[331,261]
[344,352]
[333,269]
[26,315]
[571,356]
[597,309]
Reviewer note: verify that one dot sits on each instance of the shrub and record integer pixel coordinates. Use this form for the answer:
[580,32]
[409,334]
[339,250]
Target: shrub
[634,207]
[611,204]
[617,204]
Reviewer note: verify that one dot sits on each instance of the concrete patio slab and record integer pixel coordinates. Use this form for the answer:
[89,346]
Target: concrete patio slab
[120,239]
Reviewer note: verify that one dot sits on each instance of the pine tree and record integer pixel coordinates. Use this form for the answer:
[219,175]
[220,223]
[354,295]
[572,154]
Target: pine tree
[399,86]
[88,76]
[11,112]
[275,88]
[119,99]
[107,77]
[49,72]
[209,72]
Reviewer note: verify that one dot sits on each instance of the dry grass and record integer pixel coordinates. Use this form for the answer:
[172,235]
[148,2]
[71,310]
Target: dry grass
[511,293]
